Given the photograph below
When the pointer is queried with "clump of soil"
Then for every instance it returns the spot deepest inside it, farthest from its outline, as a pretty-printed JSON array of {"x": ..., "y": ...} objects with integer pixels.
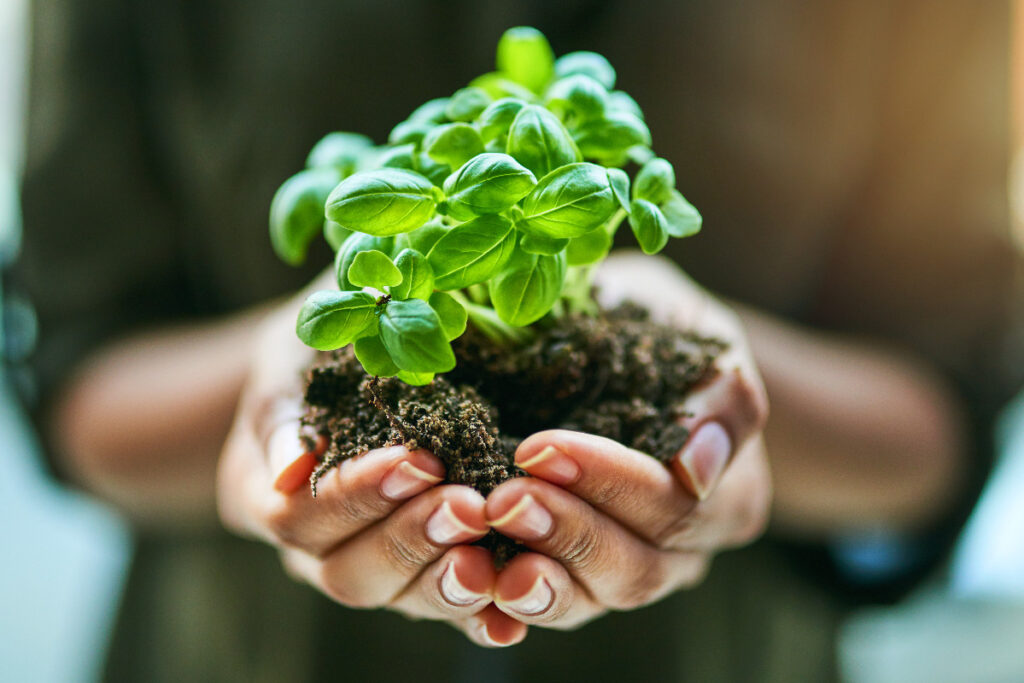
[{"x": 617, "y": 375}]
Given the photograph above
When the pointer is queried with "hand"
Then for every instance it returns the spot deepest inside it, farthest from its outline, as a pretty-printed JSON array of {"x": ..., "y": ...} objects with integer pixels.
[
  {"x": 612, "y": 528},
  {"x": 380, "y": 532}
]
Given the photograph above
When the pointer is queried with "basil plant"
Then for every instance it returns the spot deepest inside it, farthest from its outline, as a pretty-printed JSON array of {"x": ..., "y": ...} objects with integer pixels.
[{"x": 492, "y": 205}]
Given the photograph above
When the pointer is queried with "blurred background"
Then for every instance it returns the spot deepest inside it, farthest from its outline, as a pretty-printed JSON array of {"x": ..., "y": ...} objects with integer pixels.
[{"x": 59, "y": 598}]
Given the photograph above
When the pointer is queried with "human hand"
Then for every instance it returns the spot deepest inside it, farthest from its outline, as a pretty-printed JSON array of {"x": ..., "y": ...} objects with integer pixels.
[
  {"x": 380, "y": 533},
  {"x": 613, "y": 529}
]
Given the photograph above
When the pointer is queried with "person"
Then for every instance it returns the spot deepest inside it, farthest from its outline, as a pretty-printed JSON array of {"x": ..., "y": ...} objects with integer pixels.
[{"x": 849, "y": 160}]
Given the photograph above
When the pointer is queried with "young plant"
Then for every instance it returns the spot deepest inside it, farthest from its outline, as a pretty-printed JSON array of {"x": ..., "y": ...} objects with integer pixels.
[{"x": 491, "y": 206}]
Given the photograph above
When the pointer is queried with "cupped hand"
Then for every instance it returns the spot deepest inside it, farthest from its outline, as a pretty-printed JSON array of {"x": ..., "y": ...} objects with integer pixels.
[
  {"x": 381, "y": 533},
  {"x": 611, "y": 528}
]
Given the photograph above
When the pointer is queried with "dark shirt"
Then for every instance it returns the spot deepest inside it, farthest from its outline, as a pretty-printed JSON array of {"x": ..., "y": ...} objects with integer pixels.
[{"x": 849, "y": 159}]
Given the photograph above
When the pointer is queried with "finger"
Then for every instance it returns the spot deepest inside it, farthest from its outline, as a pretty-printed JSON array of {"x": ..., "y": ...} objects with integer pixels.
[
  {"x": 738, "y": 511},
  {"x": 618, "y": 569},
  {"x": 456, "y": 586},
  {"x": 493, "y": 628},
  {"x": 357, "y": 493},
  {"x": 535, "y": 589},
  {"x": 632, "y": 487},
  {"x": 373, "y": 567}
]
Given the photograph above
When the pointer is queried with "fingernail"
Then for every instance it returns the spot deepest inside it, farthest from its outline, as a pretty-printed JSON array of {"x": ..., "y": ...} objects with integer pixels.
[
  {"x": 527, "y": 519},
  {"x": 481, "y": 628},
  {"x": 444, "y": 527},
  {"x": 296, "y": 474},
  {"x": 454, "y": 592},
  {"x": 705, "y": 457},
  {"x": 536, "y": 600},
  {"x": 406, "y": 480},
  {"x": 553, "y": 465}
]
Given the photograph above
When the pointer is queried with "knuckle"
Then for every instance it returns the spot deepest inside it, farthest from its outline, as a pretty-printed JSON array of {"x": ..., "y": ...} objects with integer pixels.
[
  {"x": 344, "y": 592},
  {"x": 677, "y": 532},
  {"x": 642, "y": 589},
  {"x": 282, "y": 521},
  {"x": 609, "y": 492},
  {"x": 405, "y": 553},
  {"x": 580, "y": 550}
]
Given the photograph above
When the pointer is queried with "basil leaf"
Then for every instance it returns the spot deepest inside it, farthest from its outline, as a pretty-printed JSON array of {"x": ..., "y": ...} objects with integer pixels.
[
  {"x": 382, "y": 202},
  {"x": 471, "y": 252},
  {"x": 539, "y": 141},
  {"x": 409, "y": 131},
  {"x": 681, "y": 217},
  {"x": 423, "y": 239},
  {"x": 431, "y": 111},
  {"x": 399, "y": 156},
  {"x": 498, "y": 85},
  {"x": 451, "y": 313},
  {"x": 335, "y": 234},
  {"x": 619, "y": 182},
  {"x": 578, "y": 97},
  {"x": 649, "y": 226},
  {"x": 374, "y": 358},
  {"x": 655, "y": 181},
  {"x": 589, "y": 64},
  {"x": 539, "y": 244},
  {"x": 343, "y": 151},
  {"x": 488, "y": 183},
  {"x": 329, "y": 320},
  {"x": 527, "y": 288},
  {"x": 373, "y": 269},
  {"x": 413, "y": 336},
  {"x": 416, "y": 379},
  {"x": 357, "y": 243},
  {"x": 569, "y": 202},
  {"x": 467, "y": 103},
  {"x": 610, "y": 138},
  {"x": 526, "y": 57},
  {"x": 589, "y": 248},
  {"x": 434, "y": 171},
  {"x": 453, "y": 144},
  {"x": 417, "y": 276},
  {"x": 297, "y": 212},
  {"x": 620, "y": 101},
  {"x": 495, "y": 121}
]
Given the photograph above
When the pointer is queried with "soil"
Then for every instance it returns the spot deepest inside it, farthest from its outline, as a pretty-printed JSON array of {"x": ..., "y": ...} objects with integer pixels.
[{"x": 617, "y": 375}]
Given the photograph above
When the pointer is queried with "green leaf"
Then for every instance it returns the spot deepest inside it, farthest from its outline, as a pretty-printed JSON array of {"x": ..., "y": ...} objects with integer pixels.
[
  {"x": 374, "y": 358},
  {"x": 486, "y": 184},
  {"x": 569, "y": 202},
  {"x": 343, "y": 151},
  {"x": 409, "y": 131},
  {"x": 681, "y": 217},
  {"x": 335, "y": 234},
  {"x": 412, "y": 334},
  {"x": 655, "y": 182},
  {"x": 453, "y": 144},
  {"x": 526, "y": 57},
  {"x": 434, "y": 171},
  {"x": 329, "y": 320},
  {"x": 578, "y": 97},
  {"x": 431, "y": 111},
  {"x": 467, "y": 103},
  {"x": 495, "y": 121},
  {"x": 620, "y": 101},
  {"x": 589, "y": 64},
  {"x": 619, "y": 181},
  {"x": 417, "y": 276},
  {"x": 498, "y": 85},
  {"x": 399, "y": 156},
  {"x": 649, "y": 226},
  {"x": 416, "y": 379},
  {"x": 382, "y": 202},
  {"x": 297, "y": 212},
  {"x": 610, "y": 138},
  {"x": 528, "y": 287},
  {"x": 373, "y": 269},
  {"x": 423, "y": 239},
  {"x": 451, "y": 313},
  {"x": 471, "y": 252},
  {"x": 357, "y": 243},
  {"x": 539, "y": 244},
  {"x": 589, "y": 248},
  {"x": 539, "y": 141}
]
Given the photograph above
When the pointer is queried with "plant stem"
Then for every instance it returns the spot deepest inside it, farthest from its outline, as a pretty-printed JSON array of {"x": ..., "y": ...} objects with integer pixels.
[{"x": 487, "y": 321}]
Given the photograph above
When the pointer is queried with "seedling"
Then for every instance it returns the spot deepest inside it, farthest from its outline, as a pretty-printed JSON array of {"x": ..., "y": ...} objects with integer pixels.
[{"x": 493, "y": 205}]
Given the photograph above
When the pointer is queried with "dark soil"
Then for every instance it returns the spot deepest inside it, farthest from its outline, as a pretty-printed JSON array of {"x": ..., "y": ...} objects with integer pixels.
[{"x": 618, "y": 375}]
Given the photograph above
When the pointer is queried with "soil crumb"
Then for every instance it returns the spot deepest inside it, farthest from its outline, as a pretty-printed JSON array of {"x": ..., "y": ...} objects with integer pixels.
[{"x": 617, "y": 375}]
